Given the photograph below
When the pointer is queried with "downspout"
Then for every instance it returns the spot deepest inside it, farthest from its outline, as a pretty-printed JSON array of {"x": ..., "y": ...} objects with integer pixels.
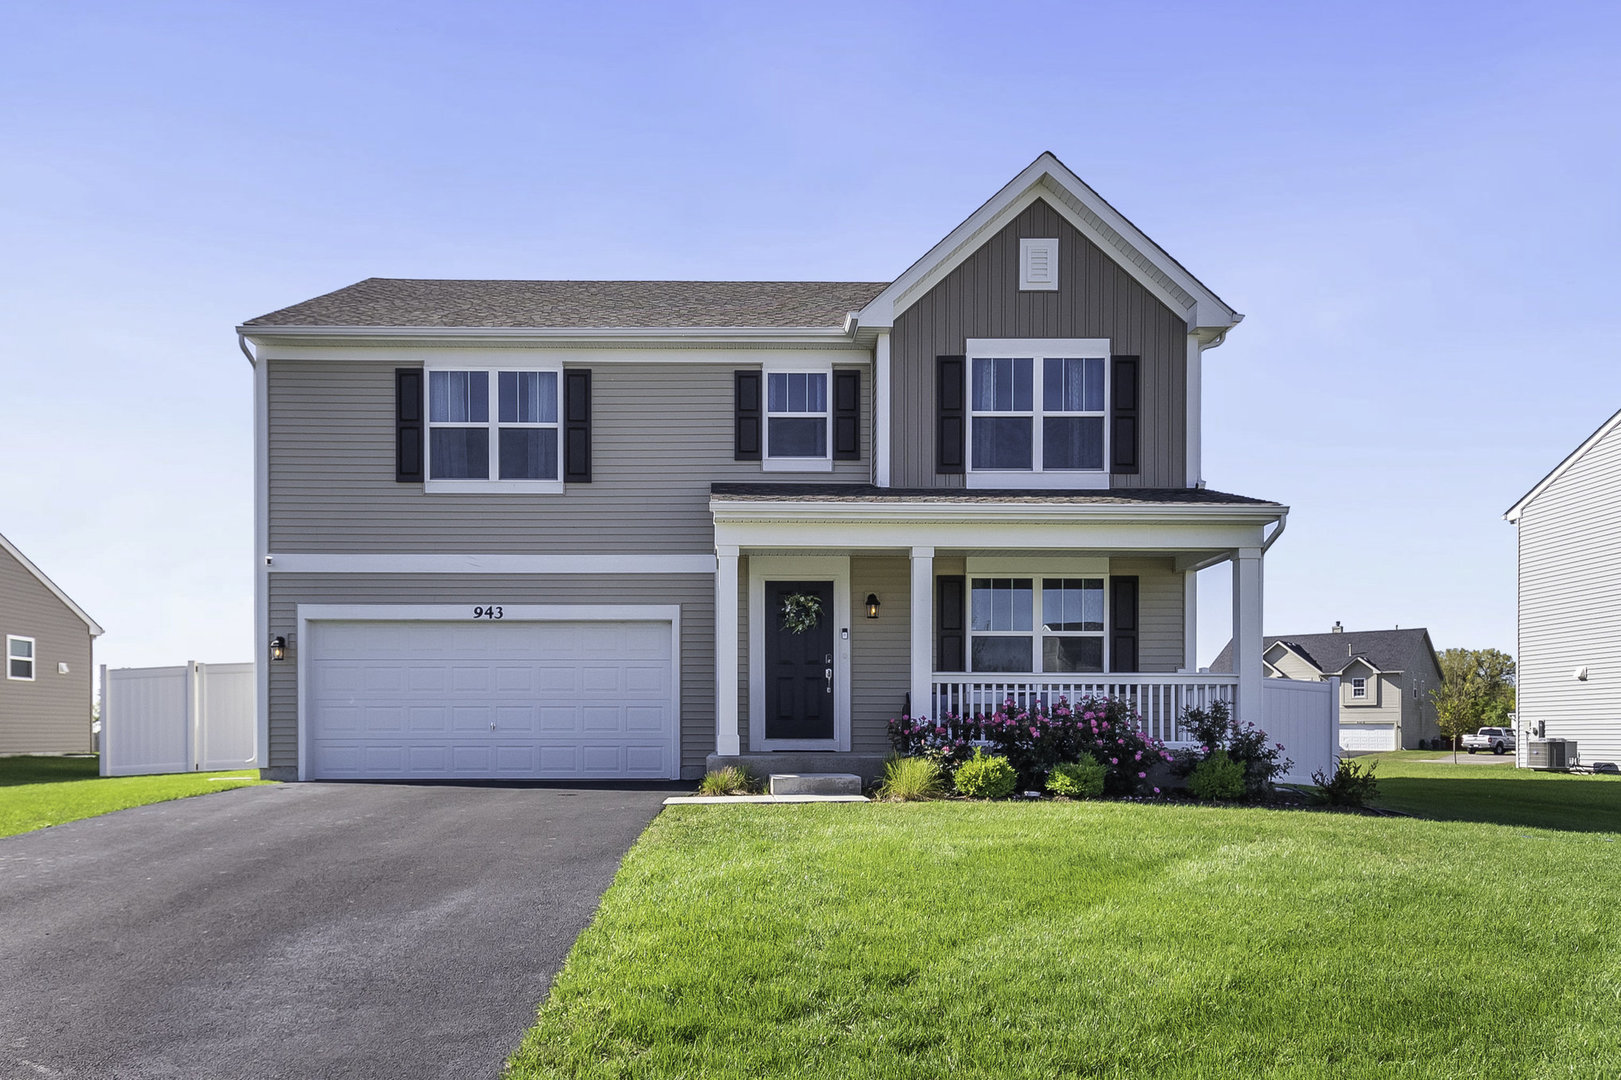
[
  {"x": 242, "y": 343},
  {"x": 1273, "y": 539}
]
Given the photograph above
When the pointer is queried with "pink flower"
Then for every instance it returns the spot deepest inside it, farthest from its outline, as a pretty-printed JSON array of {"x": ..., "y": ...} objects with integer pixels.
[
  {"x": 1142, "y": 776},
  {"x": 1114, "y": 761},
  {"x": 1156, "y": 791}
]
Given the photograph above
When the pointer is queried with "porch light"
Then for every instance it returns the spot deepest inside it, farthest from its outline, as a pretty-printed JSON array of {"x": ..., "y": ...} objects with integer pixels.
[
  {"x": 872, "y": 605},
  {"x": 278, "y": 649}
]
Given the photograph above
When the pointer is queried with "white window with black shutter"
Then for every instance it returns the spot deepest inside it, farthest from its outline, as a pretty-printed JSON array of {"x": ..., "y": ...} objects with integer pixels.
[
  {"x": 1030, "y": 616},
  {"x": 797, "y": 417},
  {"x": 500, "y": 429},
  {"x": 1038, "y": 412}
]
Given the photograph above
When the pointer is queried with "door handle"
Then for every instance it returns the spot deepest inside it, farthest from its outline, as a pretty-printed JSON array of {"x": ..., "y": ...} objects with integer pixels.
[{"x": 827, "y": 673}]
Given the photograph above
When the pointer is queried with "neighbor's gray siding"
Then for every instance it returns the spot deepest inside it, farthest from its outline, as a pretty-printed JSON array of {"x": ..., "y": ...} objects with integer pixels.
[
  {"x": 50, "y": 715},
  {"x": 695, "y": 593},
  {"x": 1095, "y": 298},
  {"x": 661, "y": 432},
  {"x": 1570, "y": 604}
]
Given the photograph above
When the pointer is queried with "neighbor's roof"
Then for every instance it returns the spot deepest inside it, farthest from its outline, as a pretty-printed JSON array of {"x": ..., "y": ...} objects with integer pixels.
[
  {"x": 1387, "y": 650},
  {"x": 11, "y": 549},
  {"x": 1513, "y": 513},
  {"x": 870, "y": 493},
  {"x": 429, "y": 302}
]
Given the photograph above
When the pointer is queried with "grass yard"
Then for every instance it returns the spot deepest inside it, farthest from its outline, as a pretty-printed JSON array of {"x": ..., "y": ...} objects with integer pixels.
[
  {"x": 40, "y": 791},
  {"x": 959, "y": 940},
  {"x": 1411, "y": 781}
]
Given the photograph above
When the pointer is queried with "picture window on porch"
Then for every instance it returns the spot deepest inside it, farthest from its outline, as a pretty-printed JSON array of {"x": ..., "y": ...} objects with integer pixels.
[
  {"x": 1003, "y": 636},
  {"x": 1057, "y": 427}
]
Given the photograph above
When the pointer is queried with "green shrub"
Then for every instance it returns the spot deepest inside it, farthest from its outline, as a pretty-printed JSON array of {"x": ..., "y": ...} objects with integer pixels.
[
  {"x": 1349, "y": 785},
  {"x": 908, "y": 779},
  {"x": 728, "y": 781},
  {"x": 982, "y": 777},
  {"x": 1081, "y": 779},
  {"x": 1217, "y": 778}
]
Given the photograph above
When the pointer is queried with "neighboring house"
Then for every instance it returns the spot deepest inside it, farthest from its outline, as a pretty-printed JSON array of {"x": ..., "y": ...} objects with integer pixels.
[
  {"x": 494, "y": 518},
  {"x": 45, "y": 697},
  {"x": 1569, "y": 651},
  {"x": 1385, "y": 681}
]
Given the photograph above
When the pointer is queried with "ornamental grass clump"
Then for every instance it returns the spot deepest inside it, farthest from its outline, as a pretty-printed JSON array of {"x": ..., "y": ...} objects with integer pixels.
[
  {"x": 1081, "y": 779},
  {"x": 1218, "y": 778},
  {"x": 911, "y": 779},
  {"x": 982, "y": 777},
  {"x": 1035, "y": 738},
  {"x": 730, "y": 780}
]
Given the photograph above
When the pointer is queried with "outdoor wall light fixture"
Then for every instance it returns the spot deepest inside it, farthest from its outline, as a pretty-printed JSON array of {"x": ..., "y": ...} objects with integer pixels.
[
  {"x": 278, "y": 649},
  {"x": 872, "y": 605}
]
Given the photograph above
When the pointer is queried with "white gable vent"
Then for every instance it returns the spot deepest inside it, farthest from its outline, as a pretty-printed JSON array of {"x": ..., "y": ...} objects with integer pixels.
[{"x": 1038, "y": 264}]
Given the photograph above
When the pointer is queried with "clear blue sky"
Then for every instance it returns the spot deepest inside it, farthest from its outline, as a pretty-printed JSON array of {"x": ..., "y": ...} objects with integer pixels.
[{"x": 1416, "y": 206}]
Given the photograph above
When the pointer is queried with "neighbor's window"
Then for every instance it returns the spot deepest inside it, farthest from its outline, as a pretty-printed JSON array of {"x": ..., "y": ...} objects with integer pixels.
[
  {"x": 1359, "y": 688},
  {"x": 19, "y": 658},
  {"x": 1002, "y": 631},
  {"x": 492, "y": 425},
  {"x": 1038, "y": 413},
  {"x": 797, "y": 416}
]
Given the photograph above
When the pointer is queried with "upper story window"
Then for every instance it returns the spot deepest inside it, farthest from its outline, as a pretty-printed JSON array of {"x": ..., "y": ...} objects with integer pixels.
[
  {"x": 1359, "y": 687},
  {"x": 1038, "y": 413},
  {"x": 798, "y": 421},
  {"x": 20, "y": 658},
  {"x": 493, "y": 430},
  {"x": 1004, "y": 635}
]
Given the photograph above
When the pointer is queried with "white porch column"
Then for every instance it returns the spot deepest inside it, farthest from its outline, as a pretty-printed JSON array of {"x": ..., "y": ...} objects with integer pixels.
[
  {"x": 1190, "y": 621},
  {"x": 726, "y": 657},
  {"x": 1247, "y": 631},
  {"x": 922, "y": 685}
]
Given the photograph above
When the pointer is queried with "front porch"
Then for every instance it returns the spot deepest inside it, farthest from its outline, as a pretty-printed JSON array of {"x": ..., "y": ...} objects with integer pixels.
[{"x": 1028, "y": 597}]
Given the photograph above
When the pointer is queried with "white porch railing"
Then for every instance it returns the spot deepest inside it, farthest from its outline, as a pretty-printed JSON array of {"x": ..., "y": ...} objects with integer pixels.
[{"x": 1158, "y": 699}]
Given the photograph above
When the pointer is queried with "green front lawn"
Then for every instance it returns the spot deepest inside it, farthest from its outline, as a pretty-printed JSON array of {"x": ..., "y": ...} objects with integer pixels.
[
  {"x": 40, "y": 791},
  {"x": 1412, "y": 782},
  {"x": 963, "y": 940}
]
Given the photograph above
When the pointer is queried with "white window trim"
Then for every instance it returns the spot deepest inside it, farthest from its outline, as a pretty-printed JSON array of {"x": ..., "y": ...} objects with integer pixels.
[
  {"x": 1080, "y": 568},
  {"x": 1359, "y": 693},
  {"x": 445, "y": 486},
  {"x": 794, "y": 464},
  {"x": 1026, "y": 247},
  {"x": 1038, "y": 350},
  {"x": 32, "y": 658}
]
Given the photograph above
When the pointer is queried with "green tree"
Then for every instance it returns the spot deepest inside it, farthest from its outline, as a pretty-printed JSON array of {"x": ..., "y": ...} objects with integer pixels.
[{"x": 1477, "y": 690}]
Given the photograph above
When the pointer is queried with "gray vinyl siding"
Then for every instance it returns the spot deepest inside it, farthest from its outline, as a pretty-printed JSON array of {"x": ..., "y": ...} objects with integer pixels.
[
  {"x": 1570, "y": 604},
  {"x": 695, "y": 593},
  {"x": 661, "y": 433},
  {"x": 1159, "y": 612},
  {"x": 51, "y": 714},
  {"x": 1095, "y": 298},
  {"x": 1295, "y": 668},
  {"x": 880, "y": 649}
]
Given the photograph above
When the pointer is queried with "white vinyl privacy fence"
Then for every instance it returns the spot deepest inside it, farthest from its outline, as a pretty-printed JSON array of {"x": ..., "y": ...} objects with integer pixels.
[
  {"x": 1305, "y": 718},
  {"x": 193, "y": 718}
]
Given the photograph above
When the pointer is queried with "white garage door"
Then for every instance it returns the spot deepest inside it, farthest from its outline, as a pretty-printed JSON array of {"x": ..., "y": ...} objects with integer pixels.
[
  {"x": 512, "y": 699},
  {"x": 1368, "y": 737}
]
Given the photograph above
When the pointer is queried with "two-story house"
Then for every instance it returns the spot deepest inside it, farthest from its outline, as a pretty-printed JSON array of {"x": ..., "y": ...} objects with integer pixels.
[
  {"x": 1386, "y": 677},
  {"x": 628, "y": 528},
  {"x": 45, "y": 694}
]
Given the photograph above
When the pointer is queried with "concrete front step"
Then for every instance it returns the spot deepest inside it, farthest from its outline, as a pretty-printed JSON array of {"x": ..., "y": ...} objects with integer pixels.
[
  {"x": 815, "y": 784},
  {"x": 867, "y": 766}
]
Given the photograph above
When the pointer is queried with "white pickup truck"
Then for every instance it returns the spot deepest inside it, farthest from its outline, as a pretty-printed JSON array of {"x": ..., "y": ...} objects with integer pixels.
[{"x": 1496, "y": 739}]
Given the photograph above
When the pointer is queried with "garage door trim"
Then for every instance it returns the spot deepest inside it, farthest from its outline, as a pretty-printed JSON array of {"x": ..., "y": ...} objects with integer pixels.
[{"x": 308, "y": 613}]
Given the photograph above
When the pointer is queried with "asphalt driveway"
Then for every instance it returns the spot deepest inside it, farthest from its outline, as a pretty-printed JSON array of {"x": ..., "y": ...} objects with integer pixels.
[{"x": 300, "y": 930}]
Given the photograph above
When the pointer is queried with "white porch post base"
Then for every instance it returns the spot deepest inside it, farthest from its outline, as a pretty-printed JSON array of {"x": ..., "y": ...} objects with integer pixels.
[
  {"x": 726, "y": 654},
  {"x": 922, "y": 683},
  {"x": 1247, "y": 632}
]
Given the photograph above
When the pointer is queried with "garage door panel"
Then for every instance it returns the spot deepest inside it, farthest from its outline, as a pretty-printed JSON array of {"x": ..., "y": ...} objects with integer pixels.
[
  {"x": 1368, "y": 737},
  {"x": 418, "y": 700}
]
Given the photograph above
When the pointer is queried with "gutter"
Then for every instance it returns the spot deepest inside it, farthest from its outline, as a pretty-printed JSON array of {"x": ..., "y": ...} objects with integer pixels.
[
  {"x": 1283, "y": 523},
  {"x": 242, "y": 343}
]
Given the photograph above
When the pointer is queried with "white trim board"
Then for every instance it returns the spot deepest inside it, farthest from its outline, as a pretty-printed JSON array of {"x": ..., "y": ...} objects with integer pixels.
[
  {"x": 308, "y": 613},
  {"x": 309, "y": 563},
  {"x": 834, "y": 568},
  {"x": 1513, "y": 513},
  {"x": 39, "y": 575}
]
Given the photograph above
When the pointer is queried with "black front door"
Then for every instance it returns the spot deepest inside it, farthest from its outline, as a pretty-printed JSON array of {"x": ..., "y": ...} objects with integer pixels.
[{"x": 798, "y": 666}]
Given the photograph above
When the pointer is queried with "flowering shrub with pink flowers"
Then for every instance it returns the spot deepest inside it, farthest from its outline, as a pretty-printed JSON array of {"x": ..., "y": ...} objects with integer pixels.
[
  {"x": 1037, "y": 737},
  {"x": 1260, "y": 760}
]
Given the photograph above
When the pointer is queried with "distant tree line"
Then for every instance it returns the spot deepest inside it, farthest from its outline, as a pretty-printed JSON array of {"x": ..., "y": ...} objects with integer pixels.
[{"x": 1476, "y": 691}]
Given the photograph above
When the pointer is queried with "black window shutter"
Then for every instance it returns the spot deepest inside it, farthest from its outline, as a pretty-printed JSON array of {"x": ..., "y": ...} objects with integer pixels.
[
  {"x": 577, "y": 426},
  {"x": 847, "y": 415},
  {"x": 746, "y": 415},
  {"x": 949, "y": 645},
  {"x": 950, "y": 440},
  {"x": 1125, "y": 439},
  {"x": 1123, "y": 614},
  {"x": 408, "y": 425}
]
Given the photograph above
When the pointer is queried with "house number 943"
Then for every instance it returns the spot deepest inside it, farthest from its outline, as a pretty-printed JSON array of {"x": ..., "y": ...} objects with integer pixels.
[{"x": 493, "y": 612}]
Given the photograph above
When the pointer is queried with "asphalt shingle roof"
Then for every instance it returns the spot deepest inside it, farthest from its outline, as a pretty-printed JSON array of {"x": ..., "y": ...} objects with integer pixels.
[
  {"x": 424, "y": 302},
  {"x": 872, "y": 493},
  {"x": 1387, "y": 650}
]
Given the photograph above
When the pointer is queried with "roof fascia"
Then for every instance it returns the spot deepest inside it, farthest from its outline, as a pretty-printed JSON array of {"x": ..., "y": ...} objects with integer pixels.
[
  {"x": 1513, "y": 514},
  {"x": 27, "y": 564},
  {"x": 724, "y": 509},
  {"x": 1092, "y": 216},
  {"x": 509, "y": 336}
]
